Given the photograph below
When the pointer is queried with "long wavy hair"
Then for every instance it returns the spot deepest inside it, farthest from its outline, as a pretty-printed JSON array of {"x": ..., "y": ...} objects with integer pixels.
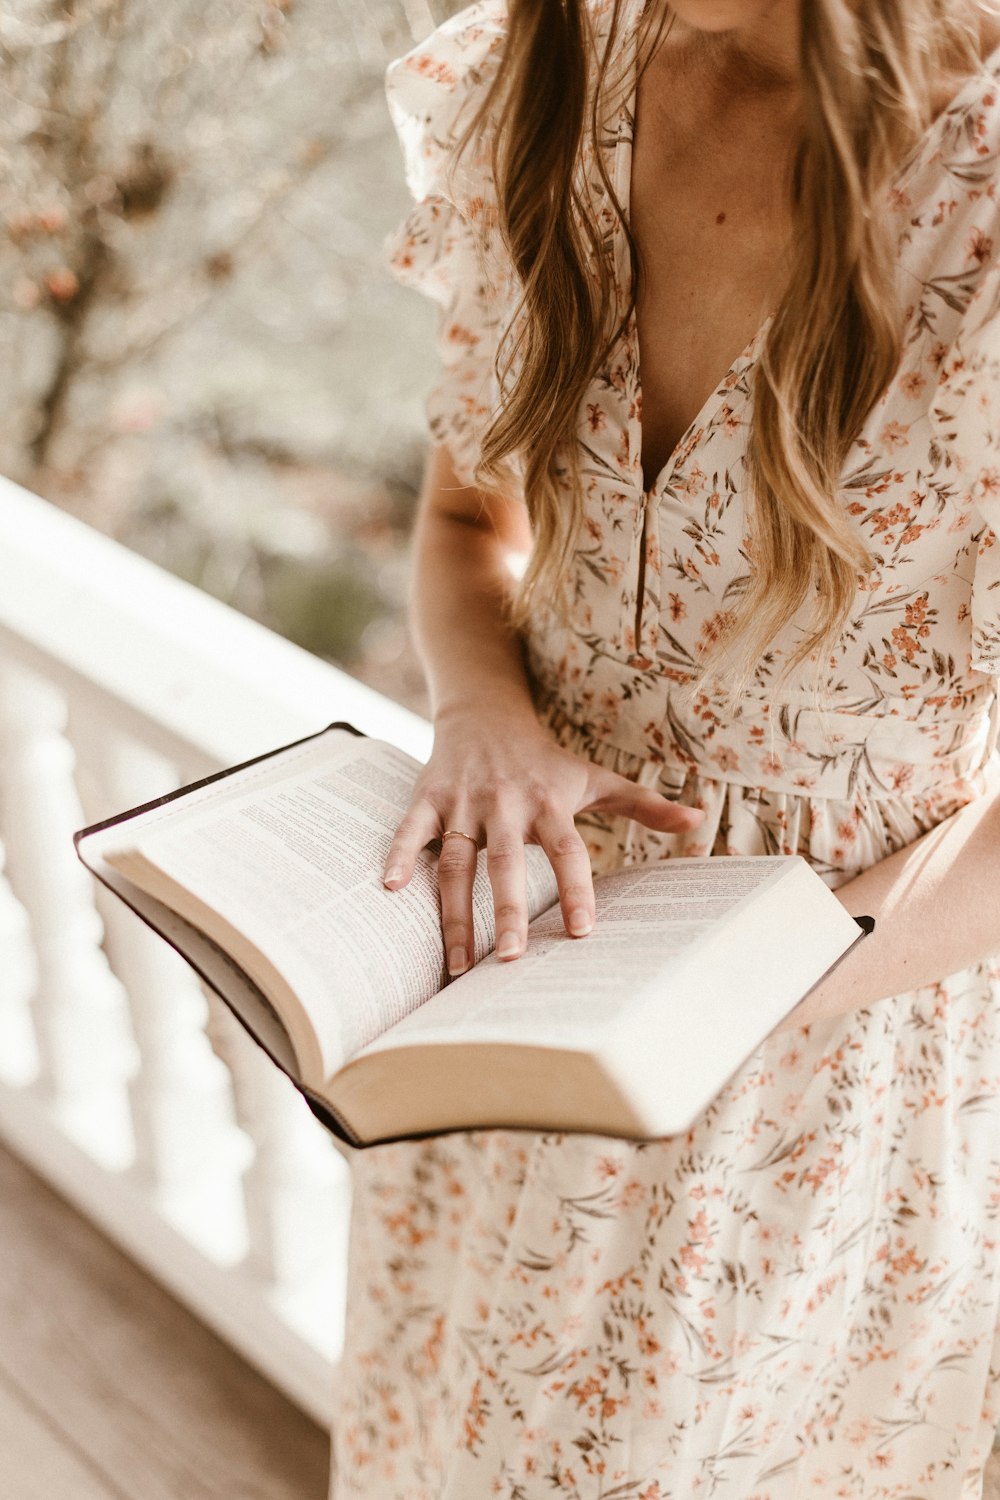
[{"x": 869, "y": 73}]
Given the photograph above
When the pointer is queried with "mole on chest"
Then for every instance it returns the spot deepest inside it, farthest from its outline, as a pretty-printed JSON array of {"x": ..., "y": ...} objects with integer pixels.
[
  {"x": 710, "y": 211},
  {"x": 709, "y": 277}
]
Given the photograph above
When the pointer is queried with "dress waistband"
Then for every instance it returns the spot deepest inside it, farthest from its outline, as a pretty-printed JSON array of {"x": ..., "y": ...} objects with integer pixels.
[{"x": 819, "y": 752}]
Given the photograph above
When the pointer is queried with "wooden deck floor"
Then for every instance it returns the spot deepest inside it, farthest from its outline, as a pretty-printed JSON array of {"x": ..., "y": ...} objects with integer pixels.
[{"x": 109, "y": 1390}]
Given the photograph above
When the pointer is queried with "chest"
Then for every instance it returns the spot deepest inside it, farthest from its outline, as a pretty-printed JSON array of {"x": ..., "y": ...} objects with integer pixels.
[{"x": 709, "y": 211}]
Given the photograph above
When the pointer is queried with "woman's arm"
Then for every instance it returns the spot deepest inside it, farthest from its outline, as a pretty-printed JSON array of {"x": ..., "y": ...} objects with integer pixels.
[
  {"x": 495, "y": 773},
  {"x": 463, "y": 544},
  {"x": 936, "y": 906}
]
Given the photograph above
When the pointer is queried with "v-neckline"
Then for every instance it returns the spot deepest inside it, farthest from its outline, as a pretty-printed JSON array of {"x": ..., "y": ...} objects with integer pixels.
[
  {"x": 622, "y": 177},
  {"x": 703, "y": 417}
]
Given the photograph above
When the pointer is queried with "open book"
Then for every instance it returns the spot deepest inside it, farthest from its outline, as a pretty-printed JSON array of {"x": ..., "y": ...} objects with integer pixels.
[{"x": 267, "y": 879}]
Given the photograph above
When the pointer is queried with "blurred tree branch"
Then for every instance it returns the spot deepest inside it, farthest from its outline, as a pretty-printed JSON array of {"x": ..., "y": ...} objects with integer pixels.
[{"x": 192, "y": 202}]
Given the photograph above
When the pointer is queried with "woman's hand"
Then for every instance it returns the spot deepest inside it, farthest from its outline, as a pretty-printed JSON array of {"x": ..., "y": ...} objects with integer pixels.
[
  {"x": 505, "y": 782},
  {"x": 495, "y": 773}
]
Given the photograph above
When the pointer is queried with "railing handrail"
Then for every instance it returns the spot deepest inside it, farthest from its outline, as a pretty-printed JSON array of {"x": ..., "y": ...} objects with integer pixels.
[{"x": 210, "y": 685}]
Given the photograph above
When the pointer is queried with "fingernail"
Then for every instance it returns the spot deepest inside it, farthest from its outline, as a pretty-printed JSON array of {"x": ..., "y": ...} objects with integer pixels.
[
  {"x": 391, "y": 877},
  {"x": 509, "y": 945},
  {"x": 580, "y": 922},
  {"x": 458, "y": 960}
]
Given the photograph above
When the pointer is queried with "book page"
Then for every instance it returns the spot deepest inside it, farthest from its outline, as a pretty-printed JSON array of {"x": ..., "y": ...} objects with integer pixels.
[
  {"x": 565, "y": 991},
  {"x": 291, "y": 853}
]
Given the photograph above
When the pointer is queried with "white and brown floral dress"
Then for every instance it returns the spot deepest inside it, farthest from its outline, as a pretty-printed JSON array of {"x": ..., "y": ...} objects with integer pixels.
[{"x": 799, "y": 1298}]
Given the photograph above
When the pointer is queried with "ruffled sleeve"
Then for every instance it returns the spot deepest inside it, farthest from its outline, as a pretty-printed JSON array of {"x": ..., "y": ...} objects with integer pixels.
[
  {"x": 966, "y": 416},
  {"x": 447, "y": 247}
]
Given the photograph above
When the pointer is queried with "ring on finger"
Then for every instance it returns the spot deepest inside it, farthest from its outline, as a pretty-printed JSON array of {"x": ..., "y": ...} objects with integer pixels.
[{"x": 458, "y": 833}]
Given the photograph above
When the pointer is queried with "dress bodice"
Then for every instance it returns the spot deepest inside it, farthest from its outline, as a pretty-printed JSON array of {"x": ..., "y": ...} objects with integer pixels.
[{"x": 907, "y": 696}]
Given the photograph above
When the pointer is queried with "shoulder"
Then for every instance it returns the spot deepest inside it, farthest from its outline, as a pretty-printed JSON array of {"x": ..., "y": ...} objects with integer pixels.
[
  {"x": 968, "y": 131},
  {"x": 946, "y": 208},
  {"x": 967, "y": 216},
  {"x": 436, "y": 90}
]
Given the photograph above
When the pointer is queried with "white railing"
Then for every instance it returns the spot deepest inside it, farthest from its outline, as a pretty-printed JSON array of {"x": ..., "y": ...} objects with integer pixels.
[{"x": 121, "y": 1082}]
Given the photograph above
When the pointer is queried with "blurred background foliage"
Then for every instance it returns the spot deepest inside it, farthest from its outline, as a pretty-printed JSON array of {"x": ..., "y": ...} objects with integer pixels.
[{"x": 204, "y": 355}]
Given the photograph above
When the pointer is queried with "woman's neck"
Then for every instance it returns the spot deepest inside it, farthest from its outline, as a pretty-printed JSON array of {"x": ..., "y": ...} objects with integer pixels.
[{"x": 759, "y": 54}]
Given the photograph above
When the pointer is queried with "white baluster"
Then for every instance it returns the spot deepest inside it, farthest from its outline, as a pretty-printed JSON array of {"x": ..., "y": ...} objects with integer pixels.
[
  {"x": 78, "y": 1008},
  {"x": 187, "y": 1147},
  {"x": 296, "y": 1187},
  {"x": 18, "y": 980}
]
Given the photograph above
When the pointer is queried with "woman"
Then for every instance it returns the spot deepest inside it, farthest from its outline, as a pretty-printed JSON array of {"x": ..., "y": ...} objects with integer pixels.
[{"x": 762, "y": 614}]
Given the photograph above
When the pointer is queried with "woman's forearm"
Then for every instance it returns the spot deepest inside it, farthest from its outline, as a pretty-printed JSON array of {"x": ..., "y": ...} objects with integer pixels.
[
  {"x": 462, "y": 583},
  {"x": 936, "y": 906}
]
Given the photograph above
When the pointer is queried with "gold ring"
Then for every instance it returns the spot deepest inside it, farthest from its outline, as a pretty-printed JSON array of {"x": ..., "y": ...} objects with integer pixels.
[{"x": 458, "y": 834}]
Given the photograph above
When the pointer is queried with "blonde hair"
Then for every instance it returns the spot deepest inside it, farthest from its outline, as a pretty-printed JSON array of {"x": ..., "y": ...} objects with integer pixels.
[{"x": 833, "y": 343}]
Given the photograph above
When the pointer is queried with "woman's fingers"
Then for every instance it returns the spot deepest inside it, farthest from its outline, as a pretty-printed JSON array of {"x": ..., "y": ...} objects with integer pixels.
[
  {"x": 508, "y": 827},
  {"x": 421, "y": 823},
  {"x": 567, "y": 854},
  {"x": 619, "y": 795},
  {"x": 456, "y": 873},
  {"x": 505, "y": 866}
]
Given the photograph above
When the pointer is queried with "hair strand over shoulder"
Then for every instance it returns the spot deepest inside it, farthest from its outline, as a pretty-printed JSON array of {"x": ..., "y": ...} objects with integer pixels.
[{"x": 833, "y": 341}]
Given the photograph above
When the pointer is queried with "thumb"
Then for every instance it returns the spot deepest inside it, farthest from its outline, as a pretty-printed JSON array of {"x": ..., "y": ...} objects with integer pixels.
[{"x": 619, "y": 795}]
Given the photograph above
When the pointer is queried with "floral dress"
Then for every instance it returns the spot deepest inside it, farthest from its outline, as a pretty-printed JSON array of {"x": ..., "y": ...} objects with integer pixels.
[{"x": 800, "y": 1296}]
